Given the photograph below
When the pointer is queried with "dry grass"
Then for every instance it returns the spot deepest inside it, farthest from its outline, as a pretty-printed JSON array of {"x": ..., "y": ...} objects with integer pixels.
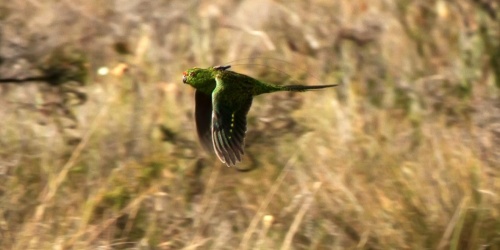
[{"x": 402, "y": 156}]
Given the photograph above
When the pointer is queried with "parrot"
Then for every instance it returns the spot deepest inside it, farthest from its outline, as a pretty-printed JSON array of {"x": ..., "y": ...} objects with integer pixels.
[{"x": 222, "y": 100}]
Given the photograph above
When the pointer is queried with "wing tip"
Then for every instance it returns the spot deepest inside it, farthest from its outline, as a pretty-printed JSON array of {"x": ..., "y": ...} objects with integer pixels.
[{"x": 228, "y": 157}]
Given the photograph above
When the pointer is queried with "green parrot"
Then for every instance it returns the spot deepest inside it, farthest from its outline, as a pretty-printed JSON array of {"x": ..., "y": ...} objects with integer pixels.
[{"x": 222, "y": 101}]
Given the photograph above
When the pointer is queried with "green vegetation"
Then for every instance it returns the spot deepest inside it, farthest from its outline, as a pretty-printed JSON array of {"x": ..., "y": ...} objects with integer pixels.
[{"x": 403, "y": 155}]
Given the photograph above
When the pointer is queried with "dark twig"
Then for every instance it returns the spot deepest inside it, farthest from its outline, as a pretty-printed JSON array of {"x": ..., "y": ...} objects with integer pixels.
[{"x": 24, "y": 80}]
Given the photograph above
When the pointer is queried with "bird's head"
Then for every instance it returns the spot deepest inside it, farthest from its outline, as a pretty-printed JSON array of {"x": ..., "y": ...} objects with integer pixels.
[{"x": 200, "y": 79}]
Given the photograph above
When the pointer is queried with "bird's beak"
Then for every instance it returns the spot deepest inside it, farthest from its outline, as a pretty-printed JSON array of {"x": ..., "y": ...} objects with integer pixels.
[{"x": 184, "y": 77}]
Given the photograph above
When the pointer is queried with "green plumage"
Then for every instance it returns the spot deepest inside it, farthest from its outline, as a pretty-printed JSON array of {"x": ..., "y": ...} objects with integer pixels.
[{"x": 223, "y": 99}]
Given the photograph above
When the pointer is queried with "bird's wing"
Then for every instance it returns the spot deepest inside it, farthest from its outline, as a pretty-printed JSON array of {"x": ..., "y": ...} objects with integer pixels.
[
  {"x": 229, "y": 125},
  {"x": 203, "y": 116}
]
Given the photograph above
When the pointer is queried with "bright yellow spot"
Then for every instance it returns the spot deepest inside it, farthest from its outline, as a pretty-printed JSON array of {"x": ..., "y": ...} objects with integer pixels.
[
  {"x": 103, "y": 71},
  {"x": 268, "y": 220}
]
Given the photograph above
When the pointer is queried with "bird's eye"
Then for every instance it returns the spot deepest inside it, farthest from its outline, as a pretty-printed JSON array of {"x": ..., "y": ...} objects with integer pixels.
[{"x": 192, "y": 74}]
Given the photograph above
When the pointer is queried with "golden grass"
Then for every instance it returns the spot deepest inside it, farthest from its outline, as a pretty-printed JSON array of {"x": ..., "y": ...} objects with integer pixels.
[{"x": 401, "y": 156}]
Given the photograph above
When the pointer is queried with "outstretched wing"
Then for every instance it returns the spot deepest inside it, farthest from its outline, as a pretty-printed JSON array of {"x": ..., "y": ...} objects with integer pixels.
[
  {"x": 229, "y": 125},
  {"x": 203, "y": 116}
]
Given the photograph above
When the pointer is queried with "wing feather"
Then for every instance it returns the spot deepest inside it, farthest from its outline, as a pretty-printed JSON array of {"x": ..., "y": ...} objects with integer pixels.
[
  {"x": 203, "y": 117},
  {"x": 229, "y": 125}
]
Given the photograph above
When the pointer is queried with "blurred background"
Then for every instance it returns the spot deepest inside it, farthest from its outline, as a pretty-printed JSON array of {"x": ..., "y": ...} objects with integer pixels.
[{"x": 98, "y": 148}]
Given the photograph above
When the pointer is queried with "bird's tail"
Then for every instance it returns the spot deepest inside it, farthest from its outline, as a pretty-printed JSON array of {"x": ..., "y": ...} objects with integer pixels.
[{"x": 302, "y": 88}]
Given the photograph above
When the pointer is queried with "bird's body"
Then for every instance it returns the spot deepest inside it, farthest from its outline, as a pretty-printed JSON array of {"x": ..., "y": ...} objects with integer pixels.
[{"x": 223, "y": 99}]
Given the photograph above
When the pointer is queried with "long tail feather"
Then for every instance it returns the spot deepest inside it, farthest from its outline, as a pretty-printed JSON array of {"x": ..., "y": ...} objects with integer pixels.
[{"x": 302, "y": 88}]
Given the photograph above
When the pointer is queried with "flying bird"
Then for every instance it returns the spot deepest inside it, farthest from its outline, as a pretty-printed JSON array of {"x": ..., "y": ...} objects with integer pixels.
[{"x": 222, "y": 101}]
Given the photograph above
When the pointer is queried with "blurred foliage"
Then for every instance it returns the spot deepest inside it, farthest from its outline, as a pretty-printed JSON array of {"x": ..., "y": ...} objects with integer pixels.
[{"x": 98, "y": 146}]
